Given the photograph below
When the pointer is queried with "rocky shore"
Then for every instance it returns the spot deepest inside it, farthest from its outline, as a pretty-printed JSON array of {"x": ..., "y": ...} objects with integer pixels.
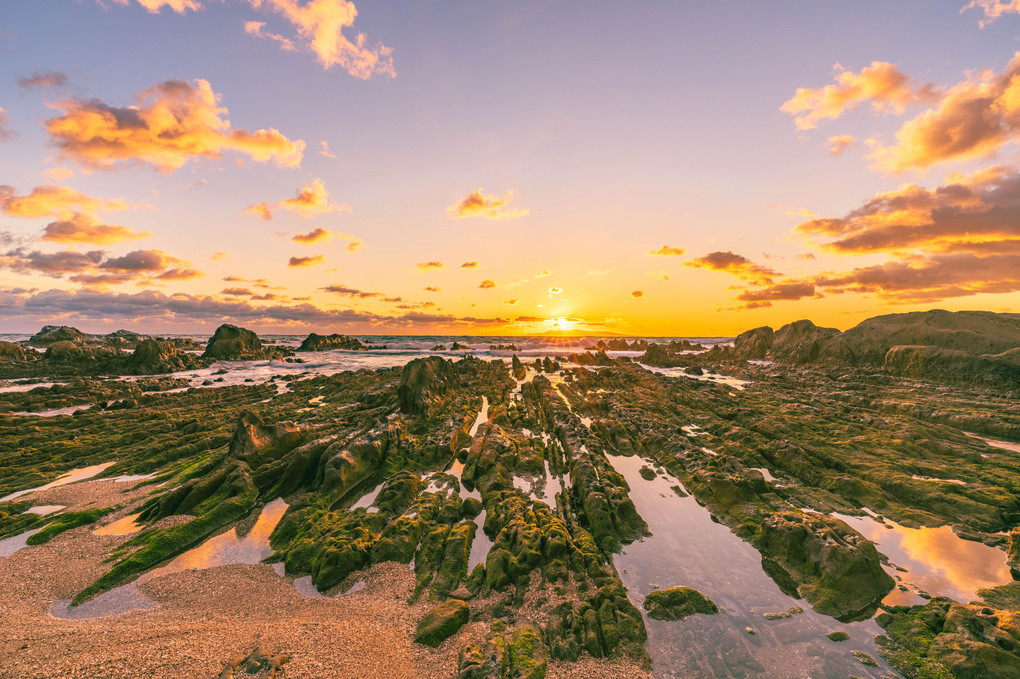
[{"x": 483, "y": 506}]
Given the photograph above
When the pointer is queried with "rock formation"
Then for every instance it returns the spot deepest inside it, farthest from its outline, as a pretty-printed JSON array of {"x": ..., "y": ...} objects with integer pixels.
[
  {"x": 315, "y": 342},
  {"x": 231, "y": 343}
]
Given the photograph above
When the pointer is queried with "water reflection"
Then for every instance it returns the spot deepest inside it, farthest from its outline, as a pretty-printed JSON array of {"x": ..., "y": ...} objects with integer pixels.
[
  {"x": 733, "y": 382},
  {"x": 70, "y": 477},
  {"x": 219, "y": 550},
  {"x": 688, "y": 547},
  {"x": 483, "y": 417},
  {"x": 12, "y": 544},
  {"x": 228, "y": 548},
  {"x": 481, "y": 544},
  {"x": 117, "y": 601},
  {"x": 122, "y": 526},
  {"x": 997, "y": 443},
  {"x": 936, "y": 559},
  {"x": 43, "y": 510},
  {"x": 55, "y": 412},
  {"x": 368, "y": 498}
]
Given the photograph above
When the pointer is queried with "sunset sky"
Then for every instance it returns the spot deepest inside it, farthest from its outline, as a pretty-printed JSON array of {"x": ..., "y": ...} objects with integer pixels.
[{"x": 650, "y": 168}]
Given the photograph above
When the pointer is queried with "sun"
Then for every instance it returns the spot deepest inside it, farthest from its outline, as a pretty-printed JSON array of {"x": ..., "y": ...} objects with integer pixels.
[{"x": 562, "y": 323}]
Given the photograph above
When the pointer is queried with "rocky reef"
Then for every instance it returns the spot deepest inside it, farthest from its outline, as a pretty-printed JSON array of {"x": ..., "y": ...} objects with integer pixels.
[
  {"x": 946, "y": 638},
  {"x": 315, "y": 342},
  {"x": 231, "y": 343},
  {"x": 962, "y": 346},
  {"x": 498, "y": 484}
]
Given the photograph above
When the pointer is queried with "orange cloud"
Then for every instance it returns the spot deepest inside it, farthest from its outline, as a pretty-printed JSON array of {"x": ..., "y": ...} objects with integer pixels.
[
  {"x": 325, "y": 150},
  {"x": 254, "y": 28},
  {"x": 262, "y": 210},
  {"x": 141, "y": 260},
  {"x": 85, "y": 228},
  {"x": 881, "y": 84},
  {"x": 478, "y": 204},
  {"x": 427, "y": 266},
  {"x": 974, "y": 120},
  {"x": 965, "y": 213},
  {"x": 515, "y": 300},
  {"x": 59, "y": 173},
  {"x": 6, "y": 133},
  {"x": 169, "y": 124},
  {"x": 637, "y": 293},
  {"x": 179, "y": 274},
  {"x": 959, "y": 239},
  {"x": 931, "y": 278},
  {"x": 543, "y": 273},
  {"x": 839, "y": 144},
  {"x": 432, "y": 289},
  {"x": 756, "y": 299},
  {"x": 350, "y": 292},
  {"x": 96, "y": 268},
  {"x": 311, "y": 200},
  {"x": 993, "y": 9},
  {"x": 486, "y": 284},
  {"x": 217, "y": 256},
  {"x": 307, "y": 261},
  {"x": 735, "y": 264},
  {"x": 320, "y": 235},
  {"x": 320, "y": 26},
  {"x": 469, "y": 265},
  {"x": 179, "y": 6},
  {"x": 668, "y": 251},
  {"x": 53, "y": 201}
]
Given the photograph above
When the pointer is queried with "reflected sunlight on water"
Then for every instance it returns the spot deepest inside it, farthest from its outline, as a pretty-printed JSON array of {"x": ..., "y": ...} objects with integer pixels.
[
  {"x": 937, "y": 560},
  {"x": 122, "y": 526},
  {"x": 228, "y": 548}
]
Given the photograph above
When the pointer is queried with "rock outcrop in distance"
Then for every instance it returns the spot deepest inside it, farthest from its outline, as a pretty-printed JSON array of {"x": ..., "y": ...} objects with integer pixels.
[
  {"x": 152, "y": 357},
  {"x": 51, "y": 334},
  {"x": 974, "y": 347},
  {"x": 316, "y": 342},
  {"x": 9, "y": 351},
  {"x": 232, "y": 343}
]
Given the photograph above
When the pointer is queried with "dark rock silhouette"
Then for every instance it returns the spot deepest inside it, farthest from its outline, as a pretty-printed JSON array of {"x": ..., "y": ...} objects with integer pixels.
[{"x": 315, "y": 342}]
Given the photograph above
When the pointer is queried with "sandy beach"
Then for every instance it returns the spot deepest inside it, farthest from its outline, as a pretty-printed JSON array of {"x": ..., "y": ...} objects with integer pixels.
[{"x": 206, "y": 618}]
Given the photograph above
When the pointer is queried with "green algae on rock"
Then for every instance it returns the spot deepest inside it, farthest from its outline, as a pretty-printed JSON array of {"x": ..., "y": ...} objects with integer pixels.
[
  {"x": 676, "y": 603},
  {"x": 442, "y": 622},
  {"x": 945, "y": 638},
  {"x": 369, "y": 476},
  {"x": 523, "y": 657},
  {"x": 67, "y": 521}
]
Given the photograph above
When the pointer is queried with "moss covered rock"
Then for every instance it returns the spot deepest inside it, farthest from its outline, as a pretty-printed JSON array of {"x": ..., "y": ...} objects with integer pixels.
[
  {"x": 676, "y": 603},
  {"x": 442, "y": 622}
]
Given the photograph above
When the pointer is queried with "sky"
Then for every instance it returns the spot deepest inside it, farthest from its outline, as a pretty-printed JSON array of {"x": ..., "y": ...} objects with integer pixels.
[{"x": 654, "y": 168}]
